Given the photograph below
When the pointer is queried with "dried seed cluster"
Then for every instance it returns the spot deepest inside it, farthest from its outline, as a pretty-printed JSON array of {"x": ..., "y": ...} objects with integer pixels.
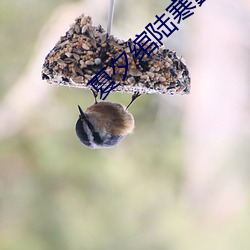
[{"x": 86, "y": 49}]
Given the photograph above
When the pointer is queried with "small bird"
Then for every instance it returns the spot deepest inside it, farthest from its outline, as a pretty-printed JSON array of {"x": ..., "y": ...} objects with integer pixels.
[{"x": 104, "y": 124}]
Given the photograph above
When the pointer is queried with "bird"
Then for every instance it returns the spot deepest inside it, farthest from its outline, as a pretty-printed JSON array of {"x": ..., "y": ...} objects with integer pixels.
[{"x": 104, "y": 124}]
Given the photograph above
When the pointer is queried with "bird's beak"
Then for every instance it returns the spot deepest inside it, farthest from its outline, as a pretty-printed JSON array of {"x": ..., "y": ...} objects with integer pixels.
[{"x": 82, "y": 115}]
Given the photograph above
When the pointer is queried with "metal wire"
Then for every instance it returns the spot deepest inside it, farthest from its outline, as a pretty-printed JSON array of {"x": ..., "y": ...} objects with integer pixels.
[{"x": 110, "y": 16}]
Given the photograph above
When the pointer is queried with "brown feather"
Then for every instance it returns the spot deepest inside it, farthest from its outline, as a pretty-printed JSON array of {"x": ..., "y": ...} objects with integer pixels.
[{"x": 111, "y": 117}]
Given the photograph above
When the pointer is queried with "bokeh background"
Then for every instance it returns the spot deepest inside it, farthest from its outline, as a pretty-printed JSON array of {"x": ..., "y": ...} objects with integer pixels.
[{"x": 180, "y": 182}]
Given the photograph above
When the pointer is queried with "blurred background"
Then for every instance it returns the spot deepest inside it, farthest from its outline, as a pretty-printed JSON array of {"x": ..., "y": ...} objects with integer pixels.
[{"x": 180, "y": 182}]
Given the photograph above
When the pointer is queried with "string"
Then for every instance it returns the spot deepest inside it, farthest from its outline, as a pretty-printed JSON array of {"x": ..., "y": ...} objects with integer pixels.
[{"x": 110, "y": 16}]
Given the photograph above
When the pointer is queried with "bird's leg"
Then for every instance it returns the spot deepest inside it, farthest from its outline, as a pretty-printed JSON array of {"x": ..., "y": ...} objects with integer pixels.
[
  {"x": 95, "y": 94},
  {"x": 134, "y": 97}
]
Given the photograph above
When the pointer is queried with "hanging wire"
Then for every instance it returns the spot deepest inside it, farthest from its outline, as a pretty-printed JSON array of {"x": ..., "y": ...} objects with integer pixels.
[{"x": 110, "y": 16}]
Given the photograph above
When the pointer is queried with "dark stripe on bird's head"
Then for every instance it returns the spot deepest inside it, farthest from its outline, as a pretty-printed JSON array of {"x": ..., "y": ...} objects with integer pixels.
[
  {"x": 97, "y": 138},
  {"x": 96, "y": 135},
  {"x": 81, "y": 133}
]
